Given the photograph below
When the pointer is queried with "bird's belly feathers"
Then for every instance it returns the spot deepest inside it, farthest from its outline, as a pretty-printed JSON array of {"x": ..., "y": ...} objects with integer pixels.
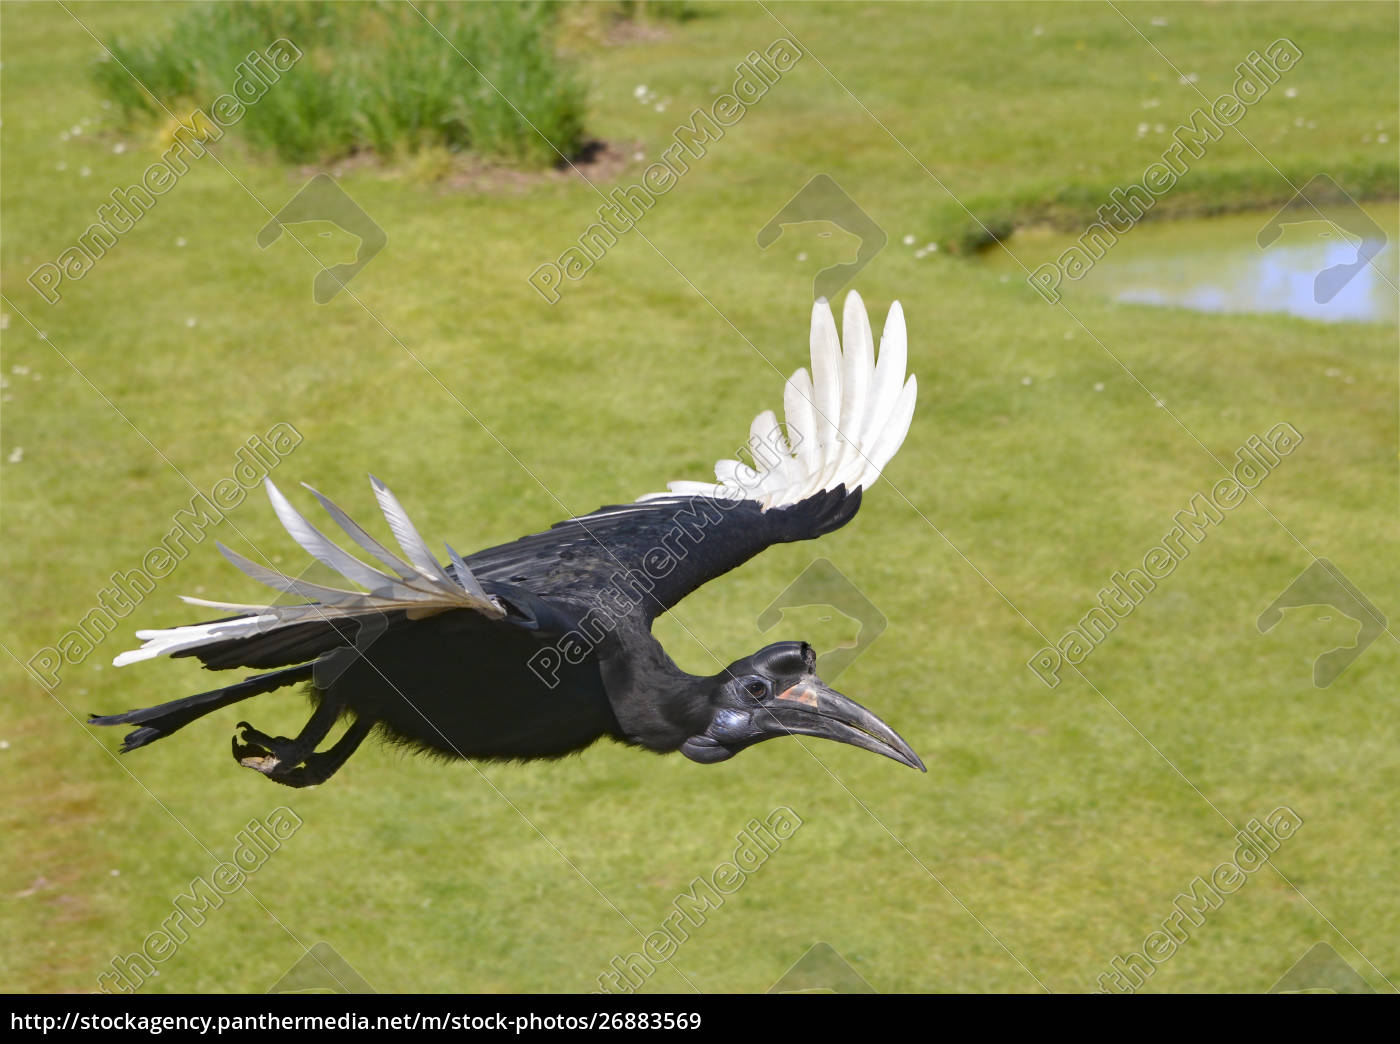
[{"x": 462, "y": 686}]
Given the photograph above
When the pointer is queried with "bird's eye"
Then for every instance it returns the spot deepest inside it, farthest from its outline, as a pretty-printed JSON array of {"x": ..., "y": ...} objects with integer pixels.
[{"x": 756, "y": 688}]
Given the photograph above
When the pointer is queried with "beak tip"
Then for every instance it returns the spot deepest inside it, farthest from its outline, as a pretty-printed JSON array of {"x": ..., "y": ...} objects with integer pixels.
[{"x": 838, "y": 717}]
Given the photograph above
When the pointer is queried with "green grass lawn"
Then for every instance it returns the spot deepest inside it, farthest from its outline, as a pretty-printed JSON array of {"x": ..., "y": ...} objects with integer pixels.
[{"x": 1055, "y": 827}]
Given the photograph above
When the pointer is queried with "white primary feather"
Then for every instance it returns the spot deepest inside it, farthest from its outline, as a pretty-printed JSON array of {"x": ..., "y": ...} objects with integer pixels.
[
  {"x": 845, "y": 420},
  {"x": 419, "y": 587}
]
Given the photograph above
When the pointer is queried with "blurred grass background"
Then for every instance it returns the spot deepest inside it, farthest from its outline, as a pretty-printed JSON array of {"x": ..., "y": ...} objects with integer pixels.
[{"x": 1059, "y": 818}]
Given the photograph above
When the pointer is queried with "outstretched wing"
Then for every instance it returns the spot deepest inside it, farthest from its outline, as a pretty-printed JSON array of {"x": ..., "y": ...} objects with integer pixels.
[
  {"x": 646, "y": 557},
  {"x": 845, "y": 420}
]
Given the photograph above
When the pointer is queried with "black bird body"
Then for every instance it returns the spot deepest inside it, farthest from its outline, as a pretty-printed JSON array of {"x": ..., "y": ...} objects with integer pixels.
[
  {"x": 462, "y": 688},
  {"x": 539, "y": 647}
]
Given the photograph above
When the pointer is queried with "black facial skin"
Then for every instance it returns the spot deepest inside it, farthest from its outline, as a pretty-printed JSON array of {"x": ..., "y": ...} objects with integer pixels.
[{"x": 776, "y": 692}]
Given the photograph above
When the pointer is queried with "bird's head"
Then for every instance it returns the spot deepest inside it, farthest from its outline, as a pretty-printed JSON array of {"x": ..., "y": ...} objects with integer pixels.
[{"x": 776, "y": 692}]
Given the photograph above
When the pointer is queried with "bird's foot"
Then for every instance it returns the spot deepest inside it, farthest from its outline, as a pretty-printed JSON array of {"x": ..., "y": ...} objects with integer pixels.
[
  {"x": 270, "y": 755},
  {"x": 280, "y": 759},
  {"x": 296, "y": 763}
]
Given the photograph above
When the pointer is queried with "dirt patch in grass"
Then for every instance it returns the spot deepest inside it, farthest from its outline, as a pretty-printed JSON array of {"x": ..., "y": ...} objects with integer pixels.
[{"x": 599, "y": 162}]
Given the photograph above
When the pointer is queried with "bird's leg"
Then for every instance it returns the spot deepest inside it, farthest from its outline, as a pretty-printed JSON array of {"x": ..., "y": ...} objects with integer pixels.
[
  {"x": 257, "y": 750},
  {"x": 320, "y": 767}
]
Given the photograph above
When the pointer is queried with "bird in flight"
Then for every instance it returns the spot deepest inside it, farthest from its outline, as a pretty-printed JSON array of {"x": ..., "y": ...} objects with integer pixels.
[{"x": 539, "y": 647}]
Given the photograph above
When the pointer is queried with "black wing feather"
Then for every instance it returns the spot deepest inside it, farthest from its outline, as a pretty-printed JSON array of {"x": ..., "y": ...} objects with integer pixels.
[{"x": 677, "y": 544}]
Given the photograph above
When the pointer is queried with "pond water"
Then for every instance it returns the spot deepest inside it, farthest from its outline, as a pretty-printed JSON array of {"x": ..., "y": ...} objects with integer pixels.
[{"x": 1306, "y": 267}]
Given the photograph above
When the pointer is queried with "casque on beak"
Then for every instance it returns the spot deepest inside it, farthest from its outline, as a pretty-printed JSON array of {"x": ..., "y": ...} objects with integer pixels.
[{"x": 813, "y": 708}]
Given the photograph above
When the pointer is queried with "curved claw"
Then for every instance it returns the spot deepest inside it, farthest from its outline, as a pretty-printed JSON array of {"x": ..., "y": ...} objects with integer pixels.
[{"x": 252, "y": 754}]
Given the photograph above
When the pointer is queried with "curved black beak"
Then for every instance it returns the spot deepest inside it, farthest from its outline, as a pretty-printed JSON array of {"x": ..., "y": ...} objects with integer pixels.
[{"x": 812, "y": 708}]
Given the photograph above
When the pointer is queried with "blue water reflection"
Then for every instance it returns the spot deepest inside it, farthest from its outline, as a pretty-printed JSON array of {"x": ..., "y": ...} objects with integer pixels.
[
  {"x": 1279, "y": 279},
  {"x": 1215, "y": 265}
]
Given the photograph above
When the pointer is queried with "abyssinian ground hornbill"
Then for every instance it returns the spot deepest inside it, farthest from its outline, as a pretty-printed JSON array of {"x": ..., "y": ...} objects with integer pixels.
[{"x": 539, "y": 647}]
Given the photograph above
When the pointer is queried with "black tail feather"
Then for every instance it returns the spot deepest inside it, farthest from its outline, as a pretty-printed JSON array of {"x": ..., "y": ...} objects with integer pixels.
[
  {"x": 159, "y": 722},
  {"x": 294, "y": 643}
]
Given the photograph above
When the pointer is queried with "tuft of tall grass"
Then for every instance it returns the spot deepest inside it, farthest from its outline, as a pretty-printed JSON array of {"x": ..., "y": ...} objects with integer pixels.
[{"x": 479, "y": 77}]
